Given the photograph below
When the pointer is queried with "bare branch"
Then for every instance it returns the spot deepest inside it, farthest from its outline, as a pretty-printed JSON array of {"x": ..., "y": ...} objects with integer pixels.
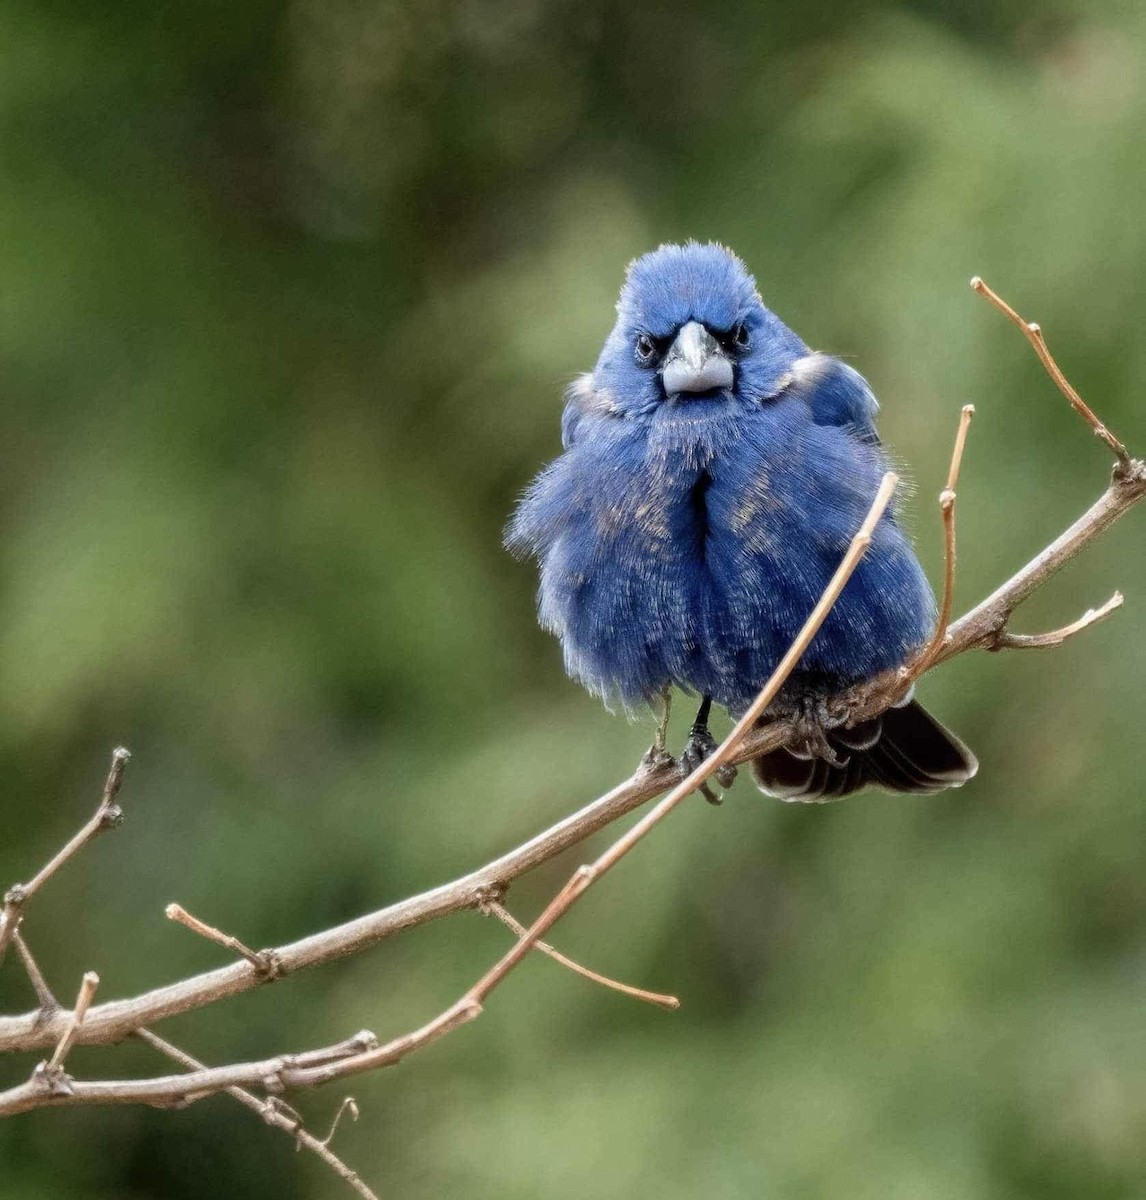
[
  {"x": 111, "y": 1022},
  {"x": 1005, "y": 640},
  {"x": 1034, "y": 334},
  {"x": 107, "y": 815},
  {"x": 270, "y": 1110},
  {"x": 494, "y": 908},
  {"x": 989, "y": 616},
  {"x": 984, "y": 627},
  {"x": 317, "y": 1067},
  {"x": 273, "y": 1075}
]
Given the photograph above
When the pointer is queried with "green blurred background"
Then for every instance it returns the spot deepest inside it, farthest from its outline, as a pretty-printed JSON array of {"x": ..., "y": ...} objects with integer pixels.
[{"x": 288, "y": 296}]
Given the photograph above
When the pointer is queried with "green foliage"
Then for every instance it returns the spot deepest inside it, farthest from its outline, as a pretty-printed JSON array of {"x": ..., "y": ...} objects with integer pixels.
[{"x": 289, "y": 295}]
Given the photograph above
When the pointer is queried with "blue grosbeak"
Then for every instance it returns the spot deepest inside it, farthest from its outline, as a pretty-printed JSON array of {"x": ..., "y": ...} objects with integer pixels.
[{"x": 715, "y": 470}]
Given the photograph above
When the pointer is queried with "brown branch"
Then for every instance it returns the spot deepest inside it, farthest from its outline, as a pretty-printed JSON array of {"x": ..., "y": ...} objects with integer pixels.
[
  {"x": 310, "y": 1070},
  {"x": 272, "y": 1112},
  {"x": 273, "y": 1075},
  {"x": 114, "y": 1020},
  {"x": 107, "y": 815},
  {"x": 495, "y": 909},
  {"x": 989, "y": 617},
  {"x": 1034, "y": 334}
]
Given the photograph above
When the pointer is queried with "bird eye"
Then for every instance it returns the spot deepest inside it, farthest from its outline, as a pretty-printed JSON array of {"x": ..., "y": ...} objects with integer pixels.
[
  {"x": 646, "y": 350},
  {"x": 740, "y": 336}
]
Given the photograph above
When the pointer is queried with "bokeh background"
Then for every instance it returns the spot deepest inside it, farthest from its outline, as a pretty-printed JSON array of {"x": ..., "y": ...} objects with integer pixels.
[{"x": 288, "y": 296}]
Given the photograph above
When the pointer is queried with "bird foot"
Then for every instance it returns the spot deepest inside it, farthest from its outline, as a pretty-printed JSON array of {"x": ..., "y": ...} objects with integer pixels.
[
  {"x": 811, "y": 722},
  {"x": 699, "y": 746}
]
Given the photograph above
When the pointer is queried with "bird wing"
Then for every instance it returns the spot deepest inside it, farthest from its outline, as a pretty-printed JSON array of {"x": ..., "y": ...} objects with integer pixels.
[
  {"x": 836, "y": 394},
  {"x": 584, "y": 404}
]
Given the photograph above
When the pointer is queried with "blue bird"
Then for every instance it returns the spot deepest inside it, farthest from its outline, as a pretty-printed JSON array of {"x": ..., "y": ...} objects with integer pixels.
[{"x": 715, "y": 470}]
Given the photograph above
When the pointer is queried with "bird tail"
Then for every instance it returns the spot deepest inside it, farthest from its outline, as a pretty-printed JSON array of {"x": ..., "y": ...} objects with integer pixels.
[{"x": 902, "y": 750}]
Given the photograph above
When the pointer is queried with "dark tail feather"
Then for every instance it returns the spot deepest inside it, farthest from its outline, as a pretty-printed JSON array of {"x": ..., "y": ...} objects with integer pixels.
[{"x": 902, "y": 750}]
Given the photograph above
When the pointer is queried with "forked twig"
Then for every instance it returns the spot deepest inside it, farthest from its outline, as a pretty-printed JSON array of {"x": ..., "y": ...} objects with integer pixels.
[
  {"x": 1005, "y": 640},
  {"x": 114, "y": 1020},
  {"x": 271, "y": 1112},
  {"x": 107, "y": 815}
]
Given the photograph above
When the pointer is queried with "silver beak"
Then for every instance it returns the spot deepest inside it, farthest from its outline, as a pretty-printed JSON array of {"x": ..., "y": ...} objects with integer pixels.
[{"x": 695, "y": 362}]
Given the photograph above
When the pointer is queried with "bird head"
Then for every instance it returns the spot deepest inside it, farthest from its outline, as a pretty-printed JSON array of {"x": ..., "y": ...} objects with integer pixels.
[{"x": 691, "y": 329}]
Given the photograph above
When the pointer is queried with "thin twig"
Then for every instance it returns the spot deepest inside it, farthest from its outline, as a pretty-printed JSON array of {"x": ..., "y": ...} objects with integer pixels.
[
  {"x": 262, "y": 960},
  {"x": 492, "y": 907},
  {"x": 1005, "y": 640},
  {"x": 348, "y": 1105},
  {"x": 947, "y": 499},
  {"x": 1034, "y": 334},
  {"x": 270, "y": 1112},
  {"x": 107, "y": 815},
  {"x": 88, "y": 986},
  {"x": 44, "y": 997}
]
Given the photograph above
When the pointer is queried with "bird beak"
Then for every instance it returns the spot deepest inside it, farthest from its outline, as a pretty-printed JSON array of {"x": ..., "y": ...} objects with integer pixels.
[{"x": 695, "y": 362}]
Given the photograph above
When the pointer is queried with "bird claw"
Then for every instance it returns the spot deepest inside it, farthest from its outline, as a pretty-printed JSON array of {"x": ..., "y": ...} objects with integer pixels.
[
  {"x": 811, "y": 721},
  {"x": 726, "y": 775},
  {"x": 700, "y": 746}
]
